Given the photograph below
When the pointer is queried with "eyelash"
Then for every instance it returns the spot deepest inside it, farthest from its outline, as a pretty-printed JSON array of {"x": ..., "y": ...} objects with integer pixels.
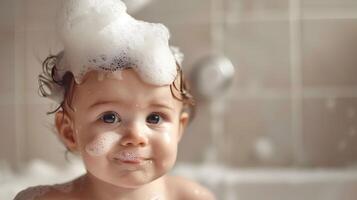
[
  {"x": 163, "y": 117},
  {"x": 116, "y": 120}
]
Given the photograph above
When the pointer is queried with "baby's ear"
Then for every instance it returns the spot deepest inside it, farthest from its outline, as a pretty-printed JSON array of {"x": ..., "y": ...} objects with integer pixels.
[
  {"x": 184, "y": 118},
  {"x": 65, "y": 130}
]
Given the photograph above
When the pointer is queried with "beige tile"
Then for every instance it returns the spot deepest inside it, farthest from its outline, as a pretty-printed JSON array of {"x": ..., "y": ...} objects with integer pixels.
[
  {"x": 171, "y": 11},
  {"x": 42, "y": 143},
  {"x": 258, "y": 132},
  {"x": 330, "y": 131},
  {"x": 328, "y": 53},
  {"x": 38, "y": 45},
  {"x": 6, "y": 15},
  {"x": 193, "y": 40},
  {"x": 260, "y": 52},
  {"x": 256, "y": 10},
  {"x": 7, "y": 134},
  {"x": 6, "y": 62},
  {"x": 196, "y": 139},
  {"x": 329, "y": 8},
  {"x": 7, "y": 86},
  {"x": 40, "y": 14}
]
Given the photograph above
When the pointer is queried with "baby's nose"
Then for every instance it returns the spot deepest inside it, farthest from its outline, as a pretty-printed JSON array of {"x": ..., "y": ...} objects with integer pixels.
[{"x": 134, "y": 136}]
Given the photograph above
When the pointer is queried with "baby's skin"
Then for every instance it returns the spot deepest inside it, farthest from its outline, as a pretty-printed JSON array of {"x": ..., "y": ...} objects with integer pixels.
[
  {"x": 164, "y": 188},
  {"x": 126, "y": 132}
]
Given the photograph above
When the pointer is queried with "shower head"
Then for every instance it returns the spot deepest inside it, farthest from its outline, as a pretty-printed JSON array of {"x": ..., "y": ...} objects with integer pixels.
[{"x": 212, "y": 76}]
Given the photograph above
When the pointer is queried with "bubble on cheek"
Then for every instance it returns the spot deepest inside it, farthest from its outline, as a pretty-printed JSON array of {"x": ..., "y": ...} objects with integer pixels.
[
  {"x": 150, "y": 162},
  {"x": 138, "y": 106},
  {"x": 167, "y": 137},
  {"x": 102, "y": 144},
  {"x": 157, "y": 197}
]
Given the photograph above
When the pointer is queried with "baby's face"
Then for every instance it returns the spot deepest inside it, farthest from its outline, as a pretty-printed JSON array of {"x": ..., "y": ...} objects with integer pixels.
[{"x": 126, "y": 130}]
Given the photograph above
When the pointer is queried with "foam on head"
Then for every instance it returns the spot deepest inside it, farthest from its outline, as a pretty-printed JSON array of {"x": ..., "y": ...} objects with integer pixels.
[{"x": 100, "y": 35}]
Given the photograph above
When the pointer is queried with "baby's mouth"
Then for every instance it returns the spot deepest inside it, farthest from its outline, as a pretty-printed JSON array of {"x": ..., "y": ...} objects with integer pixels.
[{"x": 130, "y": 157}]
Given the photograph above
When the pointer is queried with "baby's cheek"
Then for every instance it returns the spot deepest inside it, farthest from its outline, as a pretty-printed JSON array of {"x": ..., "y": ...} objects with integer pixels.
[
  {"x": 165, "y": 148},
  {"x": 169, "y": 135},
  {"x": 167, "y": 138},
  {"x": 102, "y": 143}
]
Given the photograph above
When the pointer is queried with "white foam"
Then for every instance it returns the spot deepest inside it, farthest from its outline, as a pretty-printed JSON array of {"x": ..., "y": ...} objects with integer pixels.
[
  {"x": 102, "y": 144},
  {"x": 99, "y": 34},
  {"x": 157, "y": 197},
  {"x": 167, "y": 137}
]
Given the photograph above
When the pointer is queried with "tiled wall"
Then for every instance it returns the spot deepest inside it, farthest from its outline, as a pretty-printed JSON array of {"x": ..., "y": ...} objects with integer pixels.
[
  {"x": 294, "y": 98},
  {"x": 7, "y": 141}
]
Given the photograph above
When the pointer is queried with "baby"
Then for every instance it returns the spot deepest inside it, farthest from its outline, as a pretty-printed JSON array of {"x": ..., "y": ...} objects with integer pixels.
[{"x": 123, "y": 109}]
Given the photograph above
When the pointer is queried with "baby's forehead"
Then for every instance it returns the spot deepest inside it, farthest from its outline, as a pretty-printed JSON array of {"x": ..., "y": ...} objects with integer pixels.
[
  {"x": 124, "y": 87},
  {"x": 120, "y": 79}
]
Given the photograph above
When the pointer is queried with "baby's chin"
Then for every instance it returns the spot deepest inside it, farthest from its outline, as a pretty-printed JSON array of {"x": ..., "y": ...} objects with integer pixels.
[
  {"x": 130, "y": 179},
  {"x": 134, "y": 181}
]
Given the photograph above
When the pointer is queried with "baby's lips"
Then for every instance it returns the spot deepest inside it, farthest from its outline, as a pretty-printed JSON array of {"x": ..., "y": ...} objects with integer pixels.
[{"x": 130, "y": 156}]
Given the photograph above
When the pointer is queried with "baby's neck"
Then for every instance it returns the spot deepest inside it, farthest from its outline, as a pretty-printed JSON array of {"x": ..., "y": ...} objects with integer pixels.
[{"x": 95, "y": 189}]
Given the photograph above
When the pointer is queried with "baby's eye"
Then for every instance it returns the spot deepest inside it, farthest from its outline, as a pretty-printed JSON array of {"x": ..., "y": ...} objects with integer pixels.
[
  {"x": 110, "y": 117},
  {"x": 153, "y": 118}
]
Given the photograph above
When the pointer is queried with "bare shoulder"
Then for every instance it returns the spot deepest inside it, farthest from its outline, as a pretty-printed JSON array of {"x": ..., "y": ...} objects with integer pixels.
[
  {"x": 183, "y": 188},
  {"x": 33, "y": 193},
  {"x": 47, "y": 192}
]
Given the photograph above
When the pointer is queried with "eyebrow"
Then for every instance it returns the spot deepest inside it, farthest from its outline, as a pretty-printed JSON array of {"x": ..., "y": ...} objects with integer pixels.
[
  {"x": 158, "y": 104},
  {"x": 99, "y": 103},
  {"x": 153, "y": 104}
]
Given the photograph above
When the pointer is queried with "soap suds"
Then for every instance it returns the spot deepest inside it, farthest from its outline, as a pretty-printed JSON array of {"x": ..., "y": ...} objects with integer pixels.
[
  {"x": 102, "y": 143},
  {"x": 100, "y": 34},
  {"x": 157, "y": 197},
  {"x": 167, "y": 137}
]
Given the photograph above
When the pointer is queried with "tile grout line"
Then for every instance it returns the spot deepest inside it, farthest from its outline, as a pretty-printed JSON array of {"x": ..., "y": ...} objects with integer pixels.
[
  {"x": 296, "y": 82},
  {"x": 19, "y": 93}
]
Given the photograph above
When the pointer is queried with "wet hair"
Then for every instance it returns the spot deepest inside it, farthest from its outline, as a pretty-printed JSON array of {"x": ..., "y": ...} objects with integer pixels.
[{"x": 179, "y": 87}]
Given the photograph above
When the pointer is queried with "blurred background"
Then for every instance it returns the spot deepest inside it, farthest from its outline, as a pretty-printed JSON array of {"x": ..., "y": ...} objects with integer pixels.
[{"x": 291, "y": 104}]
